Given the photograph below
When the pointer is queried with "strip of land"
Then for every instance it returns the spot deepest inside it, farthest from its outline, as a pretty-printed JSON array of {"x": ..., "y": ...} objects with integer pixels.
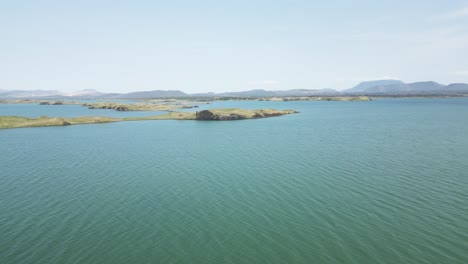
[
  {"x": 168, "y": 104},
  {"x": 148, "y": 105},
  {"x": 205, "y": 115},
  {"x": 318, "y": 98},
  {"x": 139, "y": 106}
]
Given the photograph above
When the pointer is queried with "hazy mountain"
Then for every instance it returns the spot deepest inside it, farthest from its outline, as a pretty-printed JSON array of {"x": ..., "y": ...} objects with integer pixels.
[
  {"x": 379, "y": 87},
  {"x": 85, "y": 92},
  {"x": 47, "y": 93},
  {"x": 89, "y": 93},
  {"x": 210, "y": 94},
  {"x": 457, "y": 87},
  {"x": 361, "y": 87},
  {"x": 28, "y": 94},
  {"x": 383, "y": 87},
  {"x": 387, "y": 88},
  {"x": 150, "y": 94},
  {"x": 417, "y": 87},
  {"x": 426, "y": 86},
  {"x": 306, "y": 92},
  {"x": 265, "y": 93},
  {"x": 251, "y": 93}
]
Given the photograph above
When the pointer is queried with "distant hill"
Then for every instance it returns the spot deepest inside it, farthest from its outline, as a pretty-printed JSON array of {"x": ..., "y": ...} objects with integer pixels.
[
  {"x": 47, "y": 93},
  {"x": 306, "y": 92},
  {"x": 426, "y": 86},
  {"x": 361, "y": 87},
  {"x": 375, "y": 88},
  {"x": 409, "y": 88},
  {"x": 265, "y": 93},
  {"x": 210, "y": 94},
  {"x": 89, "y": 93},
  {"x": 85, "y": 92},
  {"x": 457, "y": 87},
  {"x": 28, "y": 93},
  {"x": 251, "y": 93},
  {"x": 401, "y": 88},
  {"x": 150, "y": 94}
]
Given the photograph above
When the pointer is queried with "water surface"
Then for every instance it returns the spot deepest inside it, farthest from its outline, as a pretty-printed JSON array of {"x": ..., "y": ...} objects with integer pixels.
[{"x": 341, "y": 182}]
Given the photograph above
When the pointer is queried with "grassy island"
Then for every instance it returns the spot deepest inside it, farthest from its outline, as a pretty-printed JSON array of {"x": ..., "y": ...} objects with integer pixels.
[
  {"x": 205, "y": 115},
  {"x": 138, "y": 106},
  {"x": 149, "y": 105}
]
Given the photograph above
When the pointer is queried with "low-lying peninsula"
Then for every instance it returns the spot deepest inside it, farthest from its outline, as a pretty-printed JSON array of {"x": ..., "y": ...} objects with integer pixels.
[
  {"x": 138, "y": 106},
  {"x": 318, "y": 98},
  {"x": 205, "y": 115},
  {"x": 147, "y": 105}
]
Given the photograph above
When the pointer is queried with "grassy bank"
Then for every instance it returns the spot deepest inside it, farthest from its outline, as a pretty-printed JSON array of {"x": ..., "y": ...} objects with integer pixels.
[{"x": 215, "y": 114}]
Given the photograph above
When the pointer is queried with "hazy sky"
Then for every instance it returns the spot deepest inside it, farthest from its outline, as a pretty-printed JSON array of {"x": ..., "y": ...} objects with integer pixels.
[{"x": 199, "y": 46}]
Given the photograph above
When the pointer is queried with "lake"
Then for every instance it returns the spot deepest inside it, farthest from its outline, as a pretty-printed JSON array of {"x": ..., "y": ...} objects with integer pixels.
[{"x": 341, "y": 182}]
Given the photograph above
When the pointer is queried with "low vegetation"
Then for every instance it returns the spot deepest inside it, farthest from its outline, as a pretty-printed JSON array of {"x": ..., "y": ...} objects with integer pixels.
[
  {"x": 138, "y": 106},
  {"x": 150, "y": 105},
  {"x": 215, "y": 114}
]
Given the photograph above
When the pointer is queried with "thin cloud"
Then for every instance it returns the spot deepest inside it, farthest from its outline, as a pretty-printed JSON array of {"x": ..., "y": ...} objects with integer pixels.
[
  {"x": 456, "y": 14},
  {"x": 264, "y": 82},
  {"x": 386, "y": 77},
  {"x": 365, "y": 78},
  {"x": 462, "y": 73}
]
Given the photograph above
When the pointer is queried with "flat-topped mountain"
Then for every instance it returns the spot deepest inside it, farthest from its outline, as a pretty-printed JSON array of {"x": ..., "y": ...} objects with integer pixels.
[
  {"x": 363, "y": 86},
  {"x": 406, "y": 87}
]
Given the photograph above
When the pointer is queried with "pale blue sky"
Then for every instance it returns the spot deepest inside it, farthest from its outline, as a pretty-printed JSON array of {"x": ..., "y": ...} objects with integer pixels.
[{"x": 200, "y": 46}]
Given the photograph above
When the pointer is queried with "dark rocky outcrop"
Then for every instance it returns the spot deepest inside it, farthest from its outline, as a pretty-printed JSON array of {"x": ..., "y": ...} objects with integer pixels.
[
  {"x": 230, "y": 117},
  {"x": 121, "y": 108},
  {"x": 205, "y": 115},
  {"x": 208, "y": 115},
  {"x": 272, "y": 114},
  {"x": 44, "y": 103},
  {"x": 118, "y": 108},
  {"x": 57, "y": 103}
]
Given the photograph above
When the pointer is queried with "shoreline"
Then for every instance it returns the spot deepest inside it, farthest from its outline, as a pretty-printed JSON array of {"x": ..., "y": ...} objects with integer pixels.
[{"x": 222, "y": 114}]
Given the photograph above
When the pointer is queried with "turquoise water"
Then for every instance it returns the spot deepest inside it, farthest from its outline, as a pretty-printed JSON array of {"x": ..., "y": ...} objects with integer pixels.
[{"x": 341, "y": 182}]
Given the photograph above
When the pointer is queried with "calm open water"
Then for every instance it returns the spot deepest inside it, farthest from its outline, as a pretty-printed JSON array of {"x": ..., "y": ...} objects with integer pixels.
[{"x": 341, "y": 182}]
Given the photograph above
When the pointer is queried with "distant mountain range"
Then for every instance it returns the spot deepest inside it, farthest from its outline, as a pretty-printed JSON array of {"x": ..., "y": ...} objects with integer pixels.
[
  {"x": 265, "y": 93},
  {"x": 159, "y": 94},
  {"x": 47, "y": 93},
  {"x": 375, "y": 88},
  {"x": 395, "y": 87}
]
